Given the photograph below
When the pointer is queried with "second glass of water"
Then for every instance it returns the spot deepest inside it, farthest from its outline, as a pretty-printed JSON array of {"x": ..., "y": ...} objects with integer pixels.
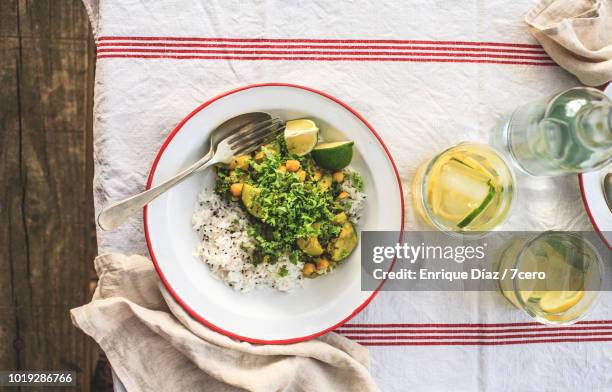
[{"x": 555, "y": 277}]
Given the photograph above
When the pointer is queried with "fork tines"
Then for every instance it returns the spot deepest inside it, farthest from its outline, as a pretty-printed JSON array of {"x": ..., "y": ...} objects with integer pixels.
[{"x": 253, "y": 136}]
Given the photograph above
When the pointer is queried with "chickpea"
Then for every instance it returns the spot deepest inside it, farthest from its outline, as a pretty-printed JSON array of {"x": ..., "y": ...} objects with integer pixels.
[
  {"x": 308, "y": 269},
  {"x": 301, "y": 175},
  {"x": 317, "y": 175},
  {"x": 236, "y": 189},
  {"x": 338, "y": 177},
  {"x": 343, "y": 195},
  {"x": 241, "y": 162},
  {"x": 322, "y": 264},
  {"x": 260, "y": 156},
  {"x": 292, "y": 165},
  {"x": 282, "y": 169}
]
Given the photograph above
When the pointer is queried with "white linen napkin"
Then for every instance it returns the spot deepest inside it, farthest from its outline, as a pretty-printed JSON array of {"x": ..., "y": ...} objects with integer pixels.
[
  {"x": 426, "y": 75},
  {"x": 154, "y": 345},
  {"x": 577, "y": 34}
]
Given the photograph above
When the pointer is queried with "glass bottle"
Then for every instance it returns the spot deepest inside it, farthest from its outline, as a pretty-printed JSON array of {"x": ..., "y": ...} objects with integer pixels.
[{"x": 570, "y": 132}]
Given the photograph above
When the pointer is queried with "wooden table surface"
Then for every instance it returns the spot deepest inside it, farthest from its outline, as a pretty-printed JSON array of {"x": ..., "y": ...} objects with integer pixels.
[{"x": 47, "y": 232}]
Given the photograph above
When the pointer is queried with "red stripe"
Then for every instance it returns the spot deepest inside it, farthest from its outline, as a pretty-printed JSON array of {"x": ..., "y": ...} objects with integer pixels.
[
  {"x": 485, "y": 343},
  {"x": 260, "y": 58},
  {"x": 321, "y": 52},
  {"x": 458, "y": 331},
  {"x": 467, "y": 337},
  {"x": 385, "y": 47},
  {"x": 314, "y": 40},
  {"x": 465, "y": 325}
]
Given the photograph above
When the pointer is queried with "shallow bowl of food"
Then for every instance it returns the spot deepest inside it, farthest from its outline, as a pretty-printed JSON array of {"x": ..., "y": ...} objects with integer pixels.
[{"x": 282, "y": 313}]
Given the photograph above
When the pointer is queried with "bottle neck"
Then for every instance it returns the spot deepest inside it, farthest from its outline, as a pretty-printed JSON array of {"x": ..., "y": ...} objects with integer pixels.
[{"x": 594, "y": 125}]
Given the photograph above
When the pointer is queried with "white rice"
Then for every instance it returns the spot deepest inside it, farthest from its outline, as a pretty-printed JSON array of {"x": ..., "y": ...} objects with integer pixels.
[
  {"x": 224, "y": 247},
  {"x": 356, "y": 197}
]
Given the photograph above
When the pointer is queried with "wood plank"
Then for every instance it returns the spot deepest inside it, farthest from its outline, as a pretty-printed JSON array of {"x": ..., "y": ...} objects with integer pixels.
[
  {"x": 8, "y": 18},
  {"x": 47, "y": 242},
  {"x": 68, "y": 21},
  {"x": 9, "y": 197},
  {"x": 53, "y": 20}
]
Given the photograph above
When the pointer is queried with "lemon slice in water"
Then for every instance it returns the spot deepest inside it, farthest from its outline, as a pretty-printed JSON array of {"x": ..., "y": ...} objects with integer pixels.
[{"x": 560, "y": 301}]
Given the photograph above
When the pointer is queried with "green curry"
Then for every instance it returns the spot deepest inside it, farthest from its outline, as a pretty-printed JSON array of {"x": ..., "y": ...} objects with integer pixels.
[{"x": 295, "y": 207}]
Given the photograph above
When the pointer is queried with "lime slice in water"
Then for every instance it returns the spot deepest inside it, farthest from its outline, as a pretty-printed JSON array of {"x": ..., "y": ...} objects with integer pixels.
[
  {"x": 301, "y": 136},
  {"x": 478, "y": 210}
]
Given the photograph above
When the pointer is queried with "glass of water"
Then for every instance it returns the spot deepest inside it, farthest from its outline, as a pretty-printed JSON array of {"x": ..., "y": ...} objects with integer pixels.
[
  {"x": 570, "y": 132},
  {"x": 465, "y": 189},
  {"x": 555, "y": 277}
]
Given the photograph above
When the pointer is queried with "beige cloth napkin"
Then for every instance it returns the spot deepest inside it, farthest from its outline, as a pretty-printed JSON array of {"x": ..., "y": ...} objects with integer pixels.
[
  {"x": 577, "y": 34},
  {"x": 154, "y": 345}
]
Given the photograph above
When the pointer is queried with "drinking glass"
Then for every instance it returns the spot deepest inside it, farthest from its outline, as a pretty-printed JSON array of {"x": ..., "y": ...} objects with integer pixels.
[
  {"x": 467, "y": 188},
  {"x": 555, "y": 277}
]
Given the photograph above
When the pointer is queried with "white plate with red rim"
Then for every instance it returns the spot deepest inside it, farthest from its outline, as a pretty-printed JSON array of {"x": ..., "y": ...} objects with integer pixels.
[
  {"x": 266, "y": 315},
  {"x": 591, "y": 186}
]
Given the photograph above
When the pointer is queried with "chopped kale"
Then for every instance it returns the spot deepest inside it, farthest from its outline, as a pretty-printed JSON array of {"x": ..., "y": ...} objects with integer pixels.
[
  {"x": 283, "y": 271},
  {"x": 289, "y": 206}
]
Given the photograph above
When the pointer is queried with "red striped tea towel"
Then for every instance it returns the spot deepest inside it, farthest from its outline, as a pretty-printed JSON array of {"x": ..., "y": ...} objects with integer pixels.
[{"x": 426, "y": 75}]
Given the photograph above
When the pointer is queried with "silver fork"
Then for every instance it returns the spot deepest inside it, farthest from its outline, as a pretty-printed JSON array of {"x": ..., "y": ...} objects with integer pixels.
[{"x": 241, "y": 142}]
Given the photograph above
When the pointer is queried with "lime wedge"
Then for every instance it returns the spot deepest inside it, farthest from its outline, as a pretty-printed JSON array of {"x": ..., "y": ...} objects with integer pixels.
[
  {"x": 334, "y": 155},
  {"x": 301, "y": 136}
]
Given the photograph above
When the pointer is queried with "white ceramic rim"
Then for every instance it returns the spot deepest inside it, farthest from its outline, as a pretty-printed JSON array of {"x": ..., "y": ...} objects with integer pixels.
[{"x": 594, "y": 199}]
